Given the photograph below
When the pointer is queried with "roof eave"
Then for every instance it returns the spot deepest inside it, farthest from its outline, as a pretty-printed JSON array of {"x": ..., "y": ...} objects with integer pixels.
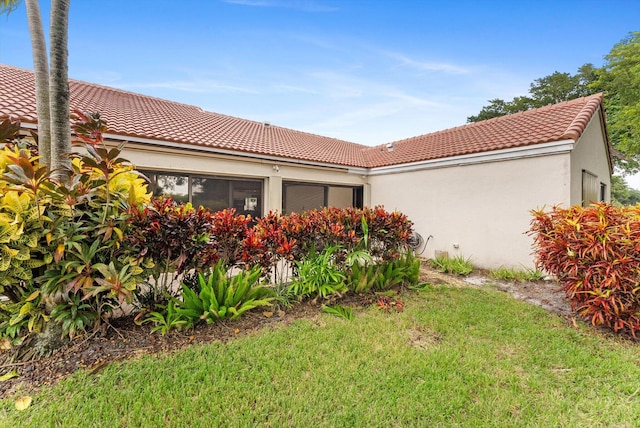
[{"x": 535, "y": 150}]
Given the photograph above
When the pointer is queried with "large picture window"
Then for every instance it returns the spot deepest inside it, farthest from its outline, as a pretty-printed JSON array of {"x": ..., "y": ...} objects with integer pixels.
[
  {"x": 298, "y": 197},
  {"x": 213, "y": 192}
]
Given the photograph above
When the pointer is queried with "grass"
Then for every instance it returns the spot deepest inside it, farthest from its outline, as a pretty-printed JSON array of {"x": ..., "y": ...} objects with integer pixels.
[
  {"x": 457, "y": 265},
  {"x": 514, "y": 275},
  {"x": 455, "y": 357}
]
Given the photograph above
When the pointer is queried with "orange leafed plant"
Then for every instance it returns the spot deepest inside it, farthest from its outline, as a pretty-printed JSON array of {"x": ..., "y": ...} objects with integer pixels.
[{"x": 595, "y": 254}]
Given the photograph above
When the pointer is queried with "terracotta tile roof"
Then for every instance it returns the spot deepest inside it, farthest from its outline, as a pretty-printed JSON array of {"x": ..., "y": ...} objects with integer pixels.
[
  {"x": 551, "y": 123},
  {"x": 134, "y": 115}
]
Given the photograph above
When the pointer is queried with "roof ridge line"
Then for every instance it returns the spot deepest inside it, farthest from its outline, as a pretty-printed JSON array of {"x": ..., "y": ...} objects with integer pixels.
[{"x": 579, "y": 123}]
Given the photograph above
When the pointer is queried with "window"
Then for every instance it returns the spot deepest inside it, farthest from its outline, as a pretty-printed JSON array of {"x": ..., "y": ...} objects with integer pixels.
[
  {"x": 603, "y": 192},
  {"x": 170, "y": 185},
  {"x": 590, "y": 188},
  {"x": 298, "y": 197},
  {"x": 215, "y": 193}
]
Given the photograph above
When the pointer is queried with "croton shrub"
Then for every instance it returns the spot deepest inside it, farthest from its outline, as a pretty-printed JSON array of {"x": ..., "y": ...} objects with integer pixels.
[
  {"x": 595, "y": 254},
  {"x": 293, "y": 236},
  {"x": 63, "y": 243}
]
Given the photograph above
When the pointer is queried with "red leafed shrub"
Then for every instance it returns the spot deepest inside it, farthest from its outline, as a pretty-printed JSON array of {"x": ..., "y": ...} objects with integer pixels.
[
  {"x": 177, "y": 237},
  {"x": 291, "y": 237},
  {"x": 229, "y": 232},
  {"x": 595, "y": 254},
  {"x": 389, "y": 232}
]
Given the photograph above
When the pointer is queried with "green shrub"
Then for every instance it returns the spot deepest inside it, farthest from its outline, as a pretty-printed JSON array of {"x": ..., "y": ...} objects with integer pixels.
[
  {"x": 223, "y": 297},
  {"x": 74, "y": 315},
  {"x": 318, "y": 275},
  {"x": 595, "y": 255},
  {"x": 168, "y": 319},
  {"x": 458, "y": 265}
]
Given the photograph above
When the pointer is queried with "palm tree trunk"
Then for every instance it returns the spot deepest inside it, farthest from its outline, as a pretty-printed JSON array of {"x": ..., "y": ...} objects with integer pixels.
[
  {"x": 59, "y": 90},
  {"x": 41, "y": 72}
]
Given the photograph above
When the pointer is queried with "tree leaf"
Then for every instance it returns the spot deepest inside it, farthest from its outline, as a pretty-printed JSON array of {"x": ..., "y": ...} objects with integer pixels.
[
  {"x": 9, "y": 375},
  {"x": 23, "y": 403}
]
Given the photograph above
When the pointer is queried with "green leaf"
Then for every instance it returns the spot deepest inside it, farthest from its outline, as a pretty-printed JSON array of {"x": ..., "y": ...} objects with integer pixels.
[{"x": 9, "y": 375}]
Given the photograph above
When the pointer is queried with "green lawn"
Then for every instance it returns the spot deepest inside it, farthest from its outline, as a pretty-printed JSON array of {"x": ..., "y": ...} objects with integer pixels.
[{"x": 454, "y": 357}]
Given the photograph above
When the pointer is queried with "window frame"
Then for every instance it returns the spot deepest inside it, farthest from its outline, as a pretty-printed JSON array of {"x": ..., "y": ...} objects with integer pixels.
[
  {"x": 357, "y": 195},
  {"x": 153, "y": 174}
]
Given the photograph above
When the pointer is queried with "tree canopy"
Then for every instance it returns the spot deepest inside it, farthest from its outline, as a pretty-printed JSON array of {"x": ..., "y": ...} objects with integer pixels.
[
  {"x": 619, "y": 79},
  {"x": 552, "y": 89}
]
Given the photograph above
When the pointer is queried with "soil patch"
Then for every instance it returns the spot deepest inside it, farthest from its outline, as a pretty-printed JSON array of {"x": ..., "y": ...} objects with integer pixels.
[{"x": 125, "y": 340}]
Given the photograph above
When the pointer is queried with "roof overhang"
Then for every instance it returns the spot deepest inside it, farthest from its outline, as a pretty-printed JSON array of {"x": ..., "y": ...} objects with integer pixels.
[
  {"x": 535, "y": 150},
  {"x": 234, "y": 153}
]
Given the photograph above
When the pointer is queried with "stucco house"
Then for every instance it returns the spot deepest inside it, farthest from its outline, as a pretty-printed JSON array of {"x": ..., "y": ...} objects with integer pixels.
[{"x": 469, "y": 188}]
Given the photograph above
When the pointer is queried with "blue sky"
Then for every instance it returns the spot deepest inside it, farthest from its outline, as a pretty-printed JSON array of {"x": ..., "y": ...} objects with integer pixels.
[{"x": 367, "y": 71}]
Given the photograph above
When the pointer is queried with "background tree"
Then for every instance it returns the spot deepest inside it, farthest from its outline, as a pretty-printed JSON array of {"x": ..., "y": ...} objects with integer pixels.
[
  {"x": 52, "y": 82},
  {"x": 619, "y": 79},
  {"x": 552, "y": 89},
  {"x": 622, "y": 194}
]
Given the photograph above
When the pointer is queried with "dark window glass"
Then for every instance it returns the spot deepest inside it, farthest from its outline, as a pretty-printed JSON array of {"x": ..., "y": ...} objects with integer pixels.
[
  {"x": 212, "y": 193},
  {"x": 246, "y": 197},
  {"x": 303, "y": 197}
]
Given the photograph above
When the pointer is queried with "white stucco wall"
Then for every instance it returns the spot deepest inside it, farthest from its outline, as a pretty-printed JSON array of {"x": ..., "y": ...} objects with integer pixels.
[
  {"x": 590, "y": 153},
  {"x": 478, "y": 210}
]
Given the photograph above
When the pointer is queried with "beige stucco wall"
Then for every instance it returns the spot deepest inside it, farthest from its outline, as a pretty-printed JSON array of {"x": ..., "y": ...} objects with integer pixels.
[
  {"x": 590, "y": 153},
  {"x": 145, "y": 156},
  {"x": 478, "y": 210}
]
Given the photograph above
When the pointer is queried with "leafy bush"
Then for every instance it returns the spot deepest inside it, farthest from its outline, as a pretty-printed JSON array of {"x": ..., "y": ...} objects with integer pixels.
[
  {"x": 177, "y": 238},
  {"x": 318, "y": 275},
  {"x": 168, "y": 319},
  {"x": 458, "y": 265},
  {"x": 288, "y": 239},
  {"x": 74, "y": 315},
  {"x": 223, "y": 297},
  {"x": 363, "y": 277},
  {"x": 65, "y": 238},
  {"x": 594, "y": 253}
]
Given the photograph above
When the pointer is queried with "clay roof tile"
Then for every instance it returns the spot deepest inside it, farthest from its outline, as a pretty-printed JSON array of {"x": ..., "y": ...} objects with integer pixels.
[{"x": 134, "y": 115}]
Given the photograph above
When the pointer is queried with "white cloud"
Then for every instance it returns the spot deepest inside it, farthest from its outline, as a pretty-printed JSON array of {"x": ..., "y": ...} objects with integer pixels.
[
  {"x": 302, "y": 5},
  {"x": 192, "y": 86},
  {"x": 427, "y": 65}
]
